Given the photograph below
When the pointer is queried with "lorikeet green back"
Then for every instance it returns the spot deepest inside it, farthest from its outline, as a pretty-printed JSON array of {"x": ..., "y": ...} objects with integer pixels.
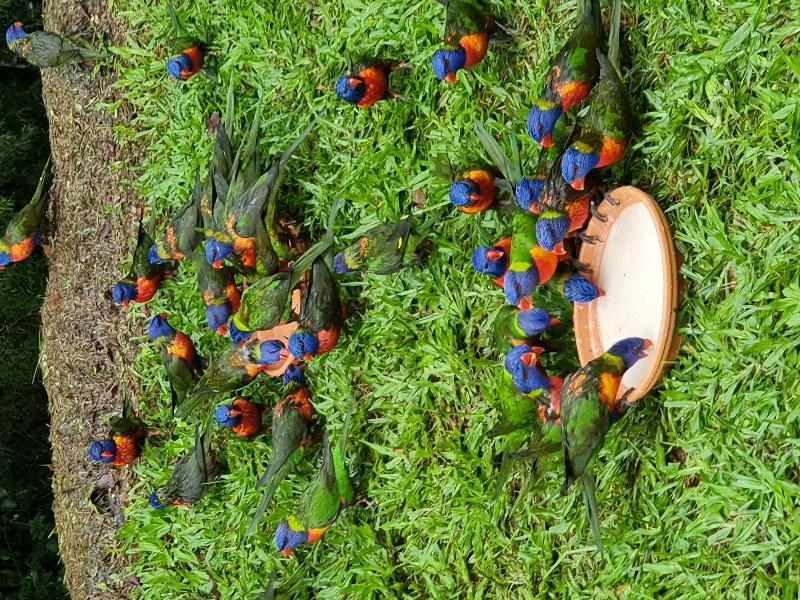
[
  {"x": 264, "y": 303},
  {"x": 181, "y": 233},
  {"x": 24, "y": 230},
  {"x": 380, "y": 250},
  {"x": 320, "y": 314},
  {"x": 463, "y": 17},
  {"x": 48, "y": 49}
]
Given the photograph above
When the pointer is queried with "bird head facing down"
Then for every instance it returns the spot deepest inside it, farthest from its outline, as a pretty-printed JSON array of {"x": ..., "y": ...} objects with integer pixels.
[
  {"x": 578, "y": 160},
  {"x": 630, "y": 350},
  {"x": 535, "y": 321},
  {"x": 123, "y": 292},
  {"x": 154, "y": 501},
  {"x": 14, "y": 35},
  {"x": 5, "y": 259},
  {"x": 104, "y": 451},
  {"x": 154, "y": 258},
  {"x": 351, "y": 88},
  {"x": 447, "y": 62},
  {"x": 490, "y": 260},
  {"x": 294, "y": 373},
  {"x": 303, "y": 345},
  {"x": 217, "y": 316},
  {"x": 463, "y": 192},
  {"x": 526, "y": 192},
  {"x": 238, "y": 335},
  {"x": 217, "y": 250},
  {"x": 228, "y": 415},
  {"x": 159, "y": 326},
  {"x": 541, "y": 121},
  {"x": 519, "y": 284},
  {"x": 289, "y": 535},
  {"x": 551, "y": 228},
  {"x": 579, "y": 289},
  {"x": 340, "y": 264},
  {"x": 180, "y": 66}
]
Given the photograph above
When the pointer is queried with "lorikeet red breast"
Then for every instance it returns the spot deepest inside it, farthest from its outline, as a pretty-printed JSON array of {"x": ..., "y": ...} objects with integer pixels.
[
  {"x": 242, "y": 416},
  {"x": 124, "y": 444},
  {"x": 190, "y": 60},
  {"x": 367, "y": 82},
  {"x": 24, "y": 230},
  {"x": 474, "y": 192},
  {"x": 184, "y": 366},
  {"x": 466, "y": 38}
]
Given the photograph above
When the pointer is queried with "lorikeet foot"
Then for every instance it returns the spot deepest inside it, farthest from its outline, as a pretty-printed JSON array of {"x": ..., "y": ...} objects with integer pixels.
[
  {"x": 597, "y": 214},
  {"x": 588, "y": 239}
]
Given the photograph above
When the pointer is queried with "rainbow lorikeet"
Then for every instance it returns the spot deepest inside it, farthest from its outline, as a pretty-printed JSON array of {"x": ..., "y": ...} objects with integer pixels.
[
  {"x": 474, "y": 192},
  {"x": 573, "y": 72},
  {"x": 576, "y": 288},
  {"x": 467, "y": 31},
  {"x": 124, "y": 442},
  {"x": 190, "y": 60},
  {"x": 242, "y": 416},
  {"x": 527, "y": 192},
  {"x": 530, "y": 265},
  {"x": 220, "y": 294},
  {"x": 320, "y": 315},
  {"x": 24, "y": 230},
  {"x": 46, "y": 48},
  {"x": 522, "y": 362},
  {"x": 192, "y": 475},
  {"x": 604, "y": 132},
  {"x": 240, "y": 235},
  {"x": 367, "y": 82},
  {"x": 291, "y": 433},
  {"x": 514, "y": 326},
  {"x": 493, "y": 260},
  {"x": 180, "y": 235},
  {"x": 562, "y": 209},
  {"x": 379, "y": 251},
  {"x": 184, "y": 366},
  {"x": 588, "y": 400},
  {"x": 322, "y": 501},
  {"x": 142, "y": 281},
  {"x": 264, "y": 305}
]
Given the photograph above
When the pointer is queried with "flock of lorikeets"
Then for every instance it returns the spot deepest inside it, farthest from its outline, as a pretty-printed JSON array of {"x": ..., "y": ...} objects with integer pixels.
[{"x": 277, "y": 296}]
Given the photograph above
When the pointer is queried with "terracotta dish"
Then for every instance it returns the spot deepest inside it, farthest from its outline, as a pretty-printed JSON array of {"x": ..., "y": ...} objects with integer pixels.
[{"x": 633, "y": 260}]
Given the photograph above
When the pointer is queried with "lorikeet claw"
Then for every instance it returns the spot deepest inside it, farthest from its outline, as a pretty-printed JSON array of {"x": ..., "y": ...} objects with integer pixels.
[
  {"x": 588, "y": 239},
  {"x": 597, "y": 214},
  {"x": 580, "y": 266},
  {"x": 610, "y": 199}
]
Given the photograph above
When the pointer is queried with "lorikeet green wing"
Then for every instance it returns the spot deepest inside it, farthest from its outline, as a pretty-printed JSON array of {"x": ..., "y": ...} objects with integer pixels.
[
  {"x": 463, "y": 17},
  {"x": 380, "y": 250},
  {"x": 48, "y": 49},
  {"x": 264, "y": 303},
  {"x": 24, "y": 230},
  {"x": 191, "y": 476},
  {"x": 181, "y": 233},
  {"x": 182, "y": 37}
]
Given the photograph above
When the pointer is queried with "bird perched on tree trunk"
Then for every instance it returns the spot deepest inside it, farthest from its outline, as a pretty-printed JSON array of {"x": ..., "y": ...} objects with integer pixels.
[
  {"x": 192, "y": 475},
  {"x": 191, "y": 58},
  {"x": 466, "y": 38},
  {"x": 367, "y": 82},
  {"x": 24, "y": 230},
  {"x": 47, "y": 49},
  {"x": 588, "y": 399},
  {"x": 184, "y": 366},
  {"x": 124, "y": 442}
]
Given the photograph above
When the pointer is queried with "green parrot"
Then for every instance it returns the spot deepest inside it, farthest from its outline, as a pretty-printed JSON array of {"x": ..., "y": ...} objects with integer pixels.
[
  {"x": 181, "y": 233},
  {"x": 467, "y": 30},
  {"x": 589, "y": 406},
  {"x": 24, "y": 230},
  {"x": 184, "y": 366},
  {"x": 530, "y": 265},
  {"x": 144, "y": 278},
  {"x": 191, "y": 55},
  {"x": 380, "y": 250},
  {"x": 326, "y": 495},
  {"x": 221, "y": 296},
  {"x": 46, "y": 48},
  {"x": 291, "y": 430},
  {"x": 513, "y": 325},
  {"x": 191, "y": 476}
]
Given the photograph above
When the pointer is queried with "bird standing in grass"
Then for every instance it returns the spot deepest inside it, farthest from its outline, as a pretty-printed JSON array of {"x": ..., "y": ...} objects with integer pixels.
[
  {"x": 143, "y": 279},
  {"x": 572, "y": 74},
  {"x": 474, "y": 192},
  {"x": 220, "y": 293},
  {"x": 379, "y": 251},
  {"x": 264, "y": 305},
  {"x": 181, "y": 233},
  {"x": 242, "y": 416},
  {"x": 24, "y": 231},
  {"x": 190, "y": 59},
  {"x": 530, "y": 265},
  {"x": 320, "y": 314},
  {"x": 192, "y": 475},
  {"x": 588, "y": 399},
  {"x": 367, "y": 82},
  {"x": 562, "y": 209},
  {"x": 493, "y": 260},
  {"x": 322, "y": 501},
  {"x": 184, "y": 366},
  {"x": 514, "y": 326},
  {"x": 124, "y": 443},
  {"x": 466, "y": 38},
  {"x": 45, "y": 48}
]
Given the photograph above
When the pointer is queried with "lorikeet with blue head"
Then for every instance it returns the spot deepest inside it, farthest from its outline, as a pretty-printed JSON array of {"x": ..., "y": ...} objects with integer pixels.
[
  {"x": 291, "y": 433},
  {"x": 124, "y": 442},
  {"x": 367, "y": 82},
  {"x": 474, "y": 192},
  {"x": 466, "y": 38},
  {"x": 242, "y": 416},
  {"x": 321, "y": 314},
  {"x": 142, "y": 281},
  {"x": 184, "y": 366},
  {"x": 192, "y": 475},
  {"x": 603, "y": 133},
  {"x": 576, "y": 288},
  {"x": 220, "y": 292},
  {"x": 530, "y": 265},
  {"x": 264, "y": 305},
  {"x": 573, "y": 72},
  {"x": 514, "y": 326},
  {"x": 47, "y": 49},
  {"x": 181, "y": 233},
  {"x": 24, "y": 230},
  {"x": 493, "y": 260},
  {"x": 189, "y": 61},
  {"x": 588, "y": 400},
  {"x": 327, "y": 494},
  {"x": 379, "y": 251}
]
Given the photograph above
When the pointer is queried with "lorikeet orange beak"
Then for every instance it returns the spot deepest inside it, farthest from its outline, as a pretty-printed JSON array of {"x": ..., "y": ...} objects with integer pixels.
[
  {"x": 234, "y": 412},
  {"x": 647, "y": 344},
  {"x": 222, "y": 329},
  {"x": 554, "y": 321},
  {"x": 217, "y": 264},
  {"x": 106, "y": 453},
  {"x": 494, "y": 254},
  {"x": 547, "y": 141},
  {"x": 450, "y": 77},
  {"x": 578, "y": 183},
  {"x": 287, "y": 551},
  {"x": 354, "y": 82}
]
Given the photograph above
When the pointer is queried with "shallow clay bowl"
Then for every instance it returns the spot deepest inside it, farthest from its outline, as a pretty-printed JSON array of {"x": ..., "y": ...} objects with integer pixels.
[{"x": 634, "y": 262}]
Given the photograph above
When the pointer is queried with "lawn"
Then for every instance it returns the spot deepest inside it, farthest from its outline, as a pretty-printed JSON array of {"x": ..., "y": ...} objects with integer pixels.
[{"x": 697, "y": 489}]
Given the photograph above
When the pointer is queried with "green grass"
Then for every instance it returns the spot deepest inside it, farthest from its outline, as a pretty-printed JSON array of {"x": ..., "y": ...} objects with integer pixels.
[{"x": 697, "y": 490}]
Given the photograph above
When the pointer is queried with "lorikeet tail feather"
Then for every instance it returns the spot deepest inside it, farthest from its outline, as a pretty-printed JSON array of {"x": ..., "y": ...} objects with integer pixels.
[
  {"x": 269, "y": 593},
  {"x": 272, "y": 478},
  {"x": 180, "y": 30},
  {"x": 505, "y": 466},
  {"x": 339, "y": 459},
  {"x": 613, "y": 34},
  {"x": 302, "y": 264},
  {"x": 191, "y": 402},
  {"x": 590, "y": 501}
]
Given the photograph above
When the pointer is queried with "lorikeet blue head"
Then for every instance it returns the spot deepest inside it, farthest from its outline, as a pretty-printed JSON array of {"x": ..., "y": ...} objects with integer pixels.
[
  {"x": 104, "y": 451},
  {"x": 490, "y": 260},
  {"x": 521, "y": 362},
  {"x": 14, "y": 35},
  {"x": 153, "y": 257},
  {"x": 294, "y": 373},
  {"x": 579, "y": 289},
  {"x": 461, "y": 192},
  {"x": 227, "y": 415},
  {"x": 350, "y": 88},
  {"x": 340, "y": 265},
  {"x": 534, "y": 321},
  {"x": 527, "y": 191},
  {"x": 154, "y": 500},
  {"x": 217, "y": 316},
  {"x": 630, "y": 350},
  {"x": 303, "y": 344},
  {"x": 123, "y": 292},
  {"x": 159, "y": 327},
  {"x": 289, "y": 535},
  {"x": 271, "y": 351},
  {"x": 576, "y": 163},
  {"x": 447, "y": 62},
  {"x": 542, "y": 119},
  {"x": 551, "y": 228},
  {"x": 238, "y": 335},
  {"x": 5, "y": 259},
  {"x": 518, "y": 284},
  {"x": 217, "y": 251},
  {"x": 177, "y": 64}
]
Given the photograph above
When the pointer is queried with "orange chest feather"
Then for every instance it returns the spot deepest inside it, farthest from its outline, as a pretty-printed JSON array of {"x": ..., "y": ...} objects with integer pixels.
[
  {"x": 578, "y": 212},
  {"x": 22, "y": 250},
  {"x": 475, "y": 46},
  {"x": 182, "y": 347},
  {"x": 572, "y": 92},
  {"x": 232, "y": 293},
  {"x": 196, "y": 55},
  {"x": 486, "y": 191},
  {"x": 328, "y": 338},
  {"x": 612, "y": 150},
  {"x": 609, "y": 385},
  {"x": 546, "y": 263},
  {"x": 376, "y": 83},
  {"x": 127, "y": 450},
  {"x": 146, "y": 288}
]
